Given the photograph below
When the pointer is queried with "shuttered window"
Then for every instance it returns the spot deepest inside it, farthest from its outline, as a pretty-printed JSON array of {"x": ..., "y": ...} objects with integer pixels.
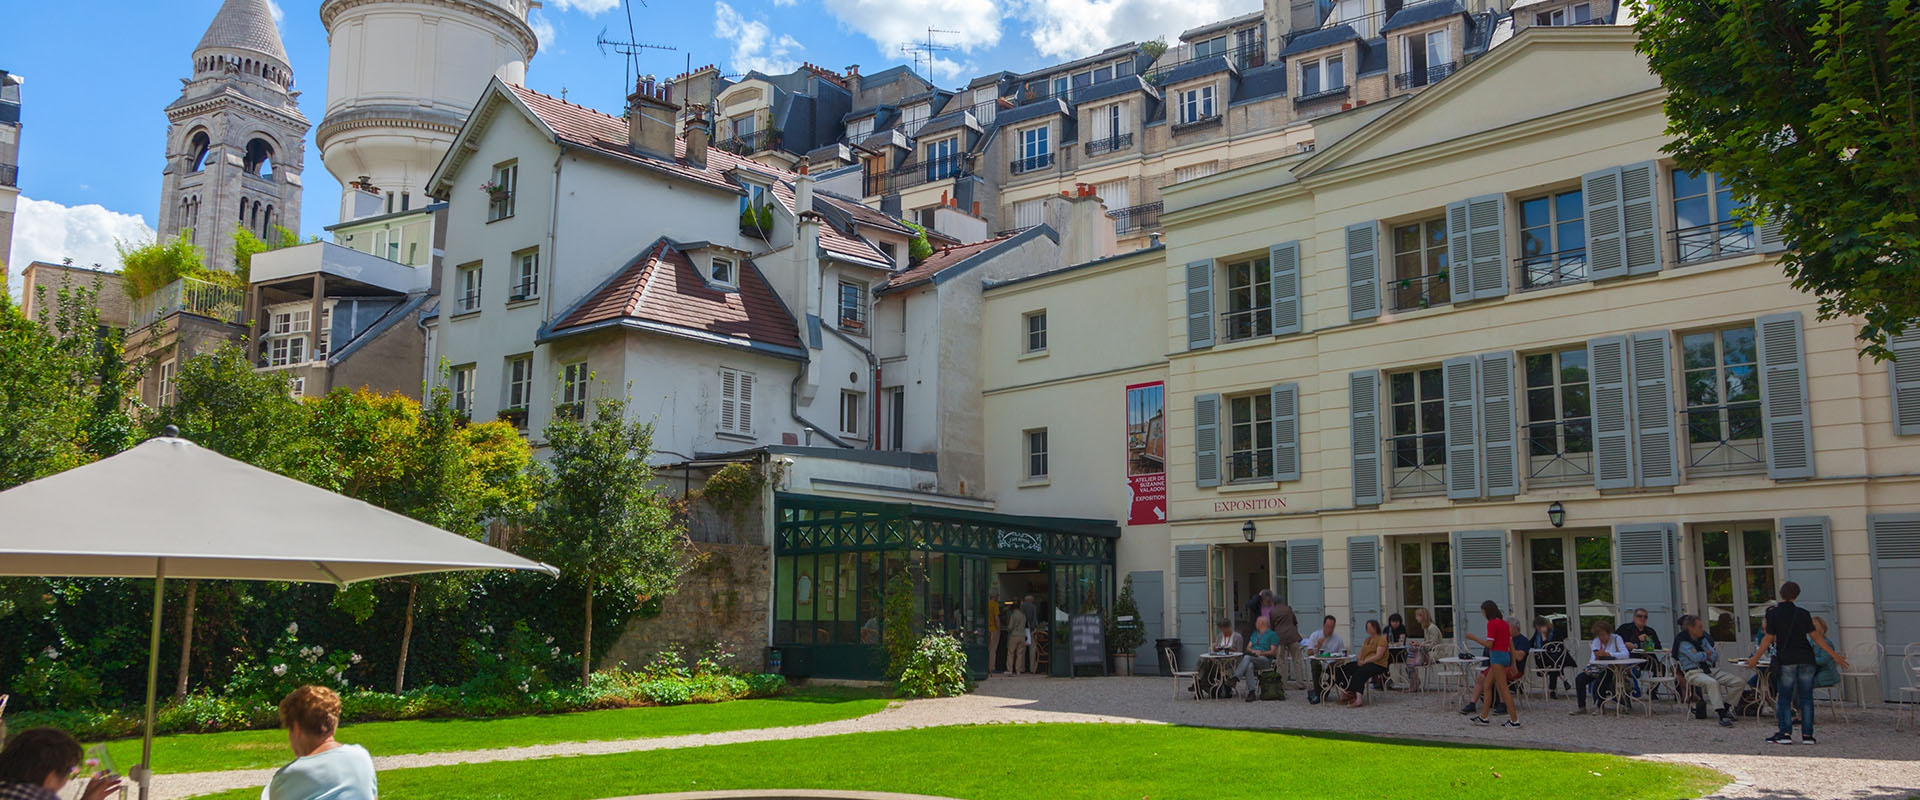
[
  {"x": 1623, "y": 231},
  {"x": 1499, "y": 432},
  {"x": 1286, "y": 432},
  {"x": 1787, "y": 423},
  {"x": 1363, "y": 391},
  {"x": 1250, "y": 437},
  {"x": 1417, "y": 434},
  {"x": 1612, "y": 416},
  {"x": 1460, "y": 378},
  {"x": 1206, "y": 440},
  {"x": 1722, "y": 379},
  {"x": 1606, "y": 249},
  {"x": 1285, "y": 259},
  {"x": 1363, "y": 581},
  {"x": 1559, "y": 418},
  {"x": 1421, "y": 268},
  {"x": 1306, "y": 584},
  {"x": 736, "y": 401},
  {"x": 1199, "y": 304},
  {"x": 1903, "y": 377},
  {"x": 1480, "y": 570},
  {"x": 1648, "y": 565},
  {"x": 1806, "y": 558},
  {"x": 1476, "y": 230},
  {"x": 1363, "y": 271},
  {"x": 1653, "y": 417},
  {"x": 1249, "y": 289}
]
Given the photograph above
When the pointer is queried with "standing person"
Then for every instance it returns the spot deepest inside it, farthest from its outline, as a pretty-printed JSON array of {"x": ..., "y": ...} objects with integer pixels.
[
  {"x": 1371, "y": 664},
  {"x": 1253, "y": 607},
  {"x": 39, "y": 762},
  {"x": 322, "y": 769},
  {"x": 1019, "y": 640},
  {"x": 1699, "y": 664},
  {"x": 1791, "y": 633},
  {"x": 993, "y": 631},
  {"x": 1321, "y": 641},
  {"x": 1606, "y": 645},
  {"x": 1266, "y": 605},
  {"x": 1286, "y": 627},
  {"x": 1262, "y": 648},
  {"x": 1034, "y": 623},
  {"x": 1499, "y": 644}
]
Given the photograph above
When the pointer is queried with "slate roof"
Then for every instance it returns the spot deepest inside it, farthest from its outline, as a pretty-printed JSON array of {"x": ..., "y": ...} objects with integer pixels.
[
  {"x": 1031, "y": 111},
  {"x": 1325, "y": 37},
  {"x": 1113, "y": 88},
  {"x": 1418, "y": 13},
  {"x": 1193, "y": 69},
  {"x": 661, "y": 286},
  {"x": 244, "y": 25},
  {"x": 941, "y": 260},
  {"x": 1222, "y": 25},
  {"x": 1264, "y": 81},
  {"x": 584, "y": 127}
]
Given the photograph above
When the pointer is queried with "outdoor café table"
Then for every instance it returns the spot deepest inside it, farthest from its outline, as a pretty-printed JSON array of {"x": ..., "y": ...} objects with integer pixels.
[
  {"x": 1213, "y": 671},
  {"x": 1763, "y": 684},
  {"x": 1327, "y": 662},
  {"x": 1396, "y": 654},
  {"x": 1467, "y": 673},
  {"x": 1622, "y": 679}
]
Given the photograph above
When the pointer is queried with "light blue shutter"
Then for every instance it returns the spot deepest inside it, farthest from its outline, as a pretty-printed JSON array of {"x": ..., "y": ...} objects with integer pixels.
[
  {"x": 1306, "y": 586},
  {"x": 1499, "y": 432},
  {"x": 1286, "y": 432},
  {"x": 1363, "y": 580},
  {"x": 1806, "y": 548},
  {"x": 1487, "y": 250},
  {"x": 1363, "y": 271},
  {"x": 1285, "y": 262},
  {"x": 1640, "y": 217},
  {"x": 1656, "y": 459},
  {"x": 1459, "y": 252},
  {"x": 1903, "y": 380},
  {"x": 1784, "y": 413},
  {"x": 1206, "y": 440},
  {"x": 1479, "y": 575},
  {"x": 1894, "y": 548},
  {"x": 1645, "y": 559},
  {"x": 1606, "y": 248},
  {"x": 1199, "y": 304},
  {"x": 1363, "y": 393},
  {"x": 1612, "y": 413},
  {"x": 1190, "y": 597},
  {"x": 1460, "y": 379},
  {"x": 1770, "y": 236}
]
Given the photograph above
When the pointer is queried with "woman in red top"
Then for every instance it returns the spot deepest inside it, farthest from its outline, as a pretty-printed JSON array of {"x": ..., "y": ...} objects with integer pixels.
[{"x": 1499, "y": 644}]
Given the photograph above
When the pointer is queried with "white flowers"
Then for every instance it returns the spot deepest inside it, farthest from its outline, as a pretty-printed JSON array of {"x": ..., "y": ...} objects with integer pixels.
[
  {"x": 549, "y": 640},
  {"x": 50, "y": 652},
  {"x": 523, "y": 686},
  {"x": 279, "y": 670},
  {"x": 293, "y": 629},
  {"x": 333, "y": 670},
  {"x": 555, "y": 652},
  {"x": 355, "y": 659},
  {"x": 487, "y": 629},
  {"x": 319, "y": 651}
]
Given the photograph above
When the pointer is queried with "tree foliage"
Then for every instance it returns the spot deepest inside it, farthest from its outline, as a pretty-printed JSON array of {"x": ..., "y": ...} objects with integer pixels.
[
  {"x": 1807, "y": 109},
  {"x": 246, "y": 246},
  {"x": 918, "y": 248},
  {"x": 64, "y": 387},
  {"x": 147, "y": 268}
]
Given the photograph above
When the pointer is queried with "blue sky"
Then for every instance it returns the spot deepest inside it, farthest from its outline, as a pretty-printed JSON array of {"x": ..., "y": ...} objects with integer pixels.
[{"x": 98, "y": 75}]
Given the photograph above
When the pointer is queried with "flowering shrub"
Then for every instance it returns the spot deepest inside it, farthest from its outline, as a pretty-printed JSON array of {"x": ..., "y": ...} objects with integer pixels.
[
  {"x": 287, "y": 666},
  {"x": 936, "y": 667},
  {"x": 521, "y": 664}
]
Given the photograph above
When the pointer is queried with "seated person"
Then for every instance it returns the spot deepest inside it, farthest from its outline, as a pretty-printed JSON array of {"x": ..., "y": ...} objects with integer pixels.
[
  {"x": 1321, "y": 641},
  {"x": 1549, "y": 650},
  {"x": 1597, "y": 679},
  {"x": 38, "y": 762},
  {"x": 1229, "y": 640},
  {"x": 1636, "y": 633},
  {"x": 1261, "y": 650},
  {"x": 1699, "y": 663},
  {"x": 1372, "y": 663},
  {"x": 322, "y": 768}
]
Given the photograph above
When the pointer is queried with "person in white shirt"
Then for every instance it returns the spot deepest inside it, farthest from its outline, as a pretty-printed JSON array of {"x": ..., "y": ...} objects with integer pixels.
[
  {"x": 1606, "y": 646},
  {"x": 1321, "y": 641},
  {"x": 323, "y": 769}
]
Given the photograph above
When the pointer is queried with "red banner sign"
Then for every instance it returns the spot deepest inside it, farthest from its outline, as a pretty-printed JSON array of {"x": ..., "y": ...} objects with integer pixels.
[{"x": 1147, "y": 453}]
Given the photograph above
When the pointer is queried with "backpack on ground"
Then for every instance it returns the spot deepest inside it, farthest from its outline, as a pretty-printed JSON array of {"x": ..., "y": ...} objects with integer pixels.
[{"x": 1273, "y": 685}]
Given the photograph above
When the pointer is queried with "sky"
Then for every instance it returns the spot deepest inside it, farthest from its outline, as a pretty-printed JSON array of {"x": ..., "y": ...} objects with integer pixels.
[{"x": 100, "y": 72}]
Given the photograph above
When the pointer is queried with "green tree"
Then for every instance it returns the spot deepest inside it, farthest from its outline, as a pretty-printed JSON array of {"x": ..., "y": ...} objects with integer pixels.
[
  {"x": 146, "y": 268},
  {"x": 1806, "y": 108},
  {"x": 602, "y": 516},
  {"x": 246, "y": 246},
  {"x": 65, "y": 390},
  {"x": 222, "y": 403},
  {"x": 918, "y": 248}
]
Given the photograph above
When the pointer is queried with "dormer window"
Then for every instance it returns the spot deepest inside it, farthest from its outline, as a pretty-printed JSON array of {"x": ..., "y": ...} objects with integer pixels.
[
  {"x": 722, "y": 272},
  {"x": 1576, "y": 14},
  {"x": 912, "y": 117},
  {"x": 1322, "y": 75},
  {"x": 1427, "y": 58},
  {"x": 860, "y": 128}
]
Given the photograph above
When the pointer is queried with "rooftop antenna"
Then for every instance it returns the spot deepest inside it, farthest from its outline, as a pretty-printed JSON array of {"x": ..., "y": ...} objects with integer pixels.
[
  {"x": 927, "y": 49},
  {"x": 629, "y": 47}
]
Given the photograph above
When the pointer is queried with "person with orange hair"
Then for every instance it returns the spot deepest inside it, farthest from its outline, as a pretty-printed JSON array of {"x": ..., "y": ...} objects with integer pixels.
[{"x": 322, "y": 768}]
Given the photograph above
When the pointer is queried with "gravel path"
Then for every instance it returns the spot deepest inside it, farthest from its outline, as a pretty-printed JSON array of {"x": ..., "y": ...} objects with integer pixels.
[{"x": 1862, "y": 759}]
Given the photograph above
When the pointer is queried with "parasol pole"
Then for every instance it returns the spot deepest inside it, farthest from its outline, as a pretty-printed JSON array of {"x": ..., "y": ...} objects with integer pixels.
[{"x": 145, "y": 770}]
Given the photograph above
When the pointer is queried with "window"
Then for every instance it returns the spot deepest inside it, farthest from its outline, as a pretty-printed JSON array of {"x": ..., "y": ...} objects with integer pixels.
[
  {"x": 1249, "y": 299},
  {"x": 1110, "y": 130},
  {"x": 1035, "y": 152},
  {"x": 467, "y": 297},
  {"x": 1060, "y": 87},
  {"x": 1703, "y": 219},
  {"x": 850, "y": 406},
  {"x": 1250, "y": 437},
  {"x": 860, "y": 129},
  {"x": 1036, "y": 451},
  {"x": 1196, "y": 105},
  {"x": 1427, "y": 58},
  {"x": 286, "y": 337},
  {"x": 1569, "y": 572},
  {"x": 1322, "y": 75},
  {"x": 573, "y": 391},
  {"x": 1738, "y": 575},
  {"x": 1418, "y": 406},
  {"x": 853, "y": 306},
  {"x": 526, "y": 275},
  {"x": 323, "y": 335},
  {"x": 500, "y": 190},
  {"x": 1036, "y": 325},
  {"x": 891, "y": 250},
  {"x": 460, "y": 385},
  {"x": 736, "y": 402},
  {"x": 297, "y": 387},
  {"x": 897, "y": 418},
  {"x": 912, "y": 117},
  {"x": 1559, "y": 418},
  {"x": 942, "y": 158},
  {"x": 721, "y": 272},
  {"x": 519, "y": 382},
  {"x": 1420, "y": 265},
  {"x": 1426, "y": 578},
  {"x": 166, "y": 382},
  {"x": 1576, "y": 14},
  {"x": 1723, "y": 401},
  {"x": 1553, "y": 240},
  {"x": 1195, "y": 171},
  {"x": 1211, "y": 47}
]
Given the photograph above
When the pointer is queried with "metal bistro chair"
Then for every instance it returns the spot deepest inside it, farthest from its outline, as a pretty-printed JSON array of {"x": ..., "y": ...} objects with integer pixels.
[
  {"x": 1455, "y": 680},
  {"x": 1909, "y": 707},
  {"x": 1865, "y": 660},
  {"x": 1549, "y": 659},
  {"x": 1667, "y": 675},
  {"x": 1191, "y": 677}
]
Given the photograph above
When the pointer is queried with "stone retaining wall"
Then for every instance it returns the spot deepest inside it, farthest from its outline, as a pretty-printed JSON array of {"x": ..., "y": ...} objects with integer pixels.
[{"x": 723, "y": 600}]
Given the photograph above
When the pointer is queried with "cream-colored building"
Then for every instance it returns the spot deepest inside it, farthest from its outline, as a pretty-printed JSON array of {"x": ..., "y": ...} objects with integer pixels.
[{"x": 1488, "y": 345}]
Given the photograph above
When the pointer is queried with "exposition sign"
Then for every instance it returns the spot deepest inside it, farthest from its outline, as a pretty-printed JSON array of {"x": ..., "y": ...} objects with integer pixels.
[{"x": 1147, "y": 453}]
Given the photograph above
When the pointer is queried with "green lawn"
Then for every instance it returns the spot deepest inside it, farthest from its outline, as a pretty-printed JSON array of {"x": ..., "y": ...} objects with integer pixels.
[
  {"x": 1021, "y": 762},
  {"x": 206, "y": 752}
]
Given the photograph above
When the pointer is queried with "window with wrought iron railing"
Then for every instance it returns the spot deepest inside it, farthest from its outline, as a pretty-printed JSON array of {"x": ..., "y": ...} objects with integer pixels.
[
  {"x": 1722, "y": 379},
  {"x": 500, "y": 190},
  {"x": 1414, "y": 78},
  {"x": 1420, "y": 265},
  {"x": 1250, "y": 437},
  {"x": 1559, "y": 426},
  {"x": 1249, "y": 311},
  {"x": 1109, "y": 144},
  {"x": 1033, "y": 162},
  {"x": 1145, "y": 216},
  {"x": 1553, "y": 240},
  {"x": 1417, "y": 415},
  {"x": 468, "y": 297},
  {"x": 1704, "y": 219}
]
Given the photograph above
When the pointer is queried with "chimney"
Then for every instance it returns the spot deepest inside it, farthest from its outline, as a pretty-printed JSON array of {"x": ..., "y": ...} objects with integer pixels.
[
  {"x": 853, "y": 84},
  {"x": 650, "y": 112},
  {"x": 1086, "y": 232},
  {"x": 699, "y": 131}
]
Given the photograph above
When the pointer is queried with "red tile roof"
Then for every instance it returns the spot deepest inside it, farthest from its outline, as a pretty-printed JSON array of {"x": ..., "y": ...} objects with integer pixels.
[
  {"x": 941, "y": 259},
  {"x": 584, "y": 127},
  {"x": 661, "y": 286},
  {"x": 831, "y": 239}
]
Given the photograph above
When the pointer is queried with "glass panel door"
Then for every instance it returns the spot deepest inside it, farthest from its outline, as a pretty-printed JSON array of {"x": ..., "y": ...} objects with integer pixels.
[
  {"x": 1216, "y": 588},
  {"x": 1426, "y": 578},
  {"x": 1738, "y": 577},
  {"x": 1570, "y": 583}
]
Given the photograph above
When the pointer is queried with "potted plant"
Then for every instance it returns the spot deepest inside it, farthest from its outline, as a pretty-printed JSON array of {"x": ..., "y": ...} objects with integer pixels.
[{"x": 1124, "y": 633}]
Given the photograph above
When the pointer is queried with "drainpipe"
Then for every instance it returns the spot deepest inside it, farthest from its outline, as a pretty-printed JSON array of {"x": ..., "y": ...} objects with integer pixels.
[
  {"x": 793, "y": 405},
  {"x": 873, "y": 369},
  {"x": 553, "y": 242}
]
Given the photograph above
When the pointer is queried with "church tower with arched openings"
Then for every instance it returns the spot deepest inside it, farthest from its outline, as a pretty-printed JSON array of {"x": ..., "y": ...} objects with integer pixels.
[{"x": 235, "y": 138}]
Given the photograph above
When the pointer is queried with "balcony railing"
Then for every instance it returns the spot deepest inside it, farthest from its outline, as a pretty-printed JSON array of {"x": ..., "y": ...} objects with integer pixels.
[
  {"x": 1713, "y": 240},
  {"x": 1324, "y": 94},
  {"x": 1367, "y": 25},
  {"x": 1419, "y": 463},
  {"x": 1554, "y": 269},
  {"x": 1725, "y": 438},
  {"x": 911, "y": 175},
  {"x": 9, "y": 174},
  {"x": 750, "y": 143},
  {"x": 1198, "y": 124},
  {"x": 1032, "y": 163},
  {"x": 1244, "y": 57},
  {"x": 1560, "y": 451},
  {"x": 1111, "y": 144},
  {"x": 189, "y": 296},
  {"x": 1422, "y": 77},
  {"x": 1145, "y": 216},
  {"x": 1420, "y": 291}
]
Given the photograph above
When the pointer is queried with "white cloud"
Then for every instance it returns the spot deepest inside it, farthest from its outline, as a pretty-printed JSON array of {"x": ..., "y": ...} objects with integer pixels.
[
  {"x": 891, "y": 23},
  {"x": 785, "y": 2},
  {"x": 279, "y": 14},
  {"x": 47, "y": 231},
  {"x": 755, "y": 47},
  {"x": 1067, "y": 29},
  {"x": 588, "y": 7},
  {"x": 543, "y": 32}
]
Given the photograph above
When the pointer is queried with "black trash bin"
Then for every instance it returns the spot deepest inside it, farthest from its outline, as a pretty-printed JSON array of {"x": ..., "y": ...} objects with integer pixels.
[{"x": 1160, "y": 647}]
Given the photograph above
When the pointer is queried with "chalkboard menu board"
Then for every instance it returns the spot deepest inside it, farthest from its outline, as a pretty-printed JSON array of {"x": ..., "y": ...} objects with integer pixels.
[{"x": 1089, "y": 640}]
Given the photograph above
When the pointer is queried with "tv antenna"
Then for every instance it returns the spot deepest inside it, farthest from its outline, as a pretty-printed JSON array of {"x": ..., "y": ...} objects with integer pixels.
[
  {"x": 631, "y": 47},
  {"x": 926, "y": 50}
]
